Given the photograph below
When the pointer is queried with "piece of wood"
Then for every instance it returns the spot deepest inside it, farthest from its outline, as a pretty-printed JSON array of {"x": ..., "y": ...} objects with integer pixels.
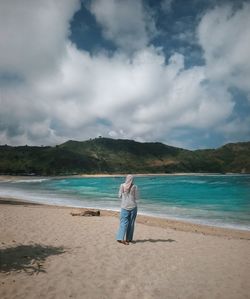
[{"x": 86, "y": 213}]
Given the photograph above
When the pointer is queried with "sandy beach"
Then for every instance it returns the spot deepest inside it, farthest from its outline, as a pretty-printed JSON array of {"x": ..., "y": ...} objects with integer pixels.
[{"x": 47, "y": 253}]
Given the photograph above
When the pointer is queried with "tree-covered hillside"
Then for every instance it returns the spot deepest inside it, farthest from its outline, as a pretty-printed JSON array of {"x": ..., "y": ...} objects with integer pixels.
[{"x": 105, "y": 155}]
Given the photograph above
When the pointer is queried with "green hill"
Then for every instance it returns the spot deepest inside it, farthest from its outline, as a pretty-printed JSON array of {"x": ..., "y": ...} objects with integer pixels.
[{"x": 105, "y": 155}]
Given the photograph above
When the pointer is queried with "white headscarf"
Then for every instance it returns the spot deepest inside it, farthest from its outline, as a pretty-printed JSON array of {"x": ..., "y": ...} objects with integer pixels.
[{"x": 128, "y": 183}]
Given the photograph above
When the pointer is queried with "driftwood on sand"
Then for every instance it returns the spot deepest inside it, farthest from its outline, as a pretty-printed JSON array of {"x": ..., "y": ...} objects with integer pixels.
[{"x": 86, "y": 213}]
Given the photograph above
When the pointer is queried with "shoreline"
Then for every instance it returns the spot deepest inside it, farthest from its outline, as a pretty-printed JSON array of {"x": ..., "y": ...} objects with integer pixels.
[
  {"x": 154, "y": 221},
  {"x": 104, "y": 175},
  {"x": 184, "y": 224},
  {"x": 187, "y": 221}
]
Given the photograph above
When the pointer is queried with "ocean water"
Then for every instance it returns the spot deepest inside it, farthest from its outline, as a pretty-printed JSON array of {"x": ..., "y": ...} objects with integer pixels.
[{"x": 218, "y": 200}]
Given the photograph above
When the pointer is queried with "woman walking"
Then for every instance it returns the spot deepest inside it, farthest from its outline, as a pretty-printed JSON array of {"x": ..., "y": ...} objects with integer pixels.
[{"x": 129, "y": 195}]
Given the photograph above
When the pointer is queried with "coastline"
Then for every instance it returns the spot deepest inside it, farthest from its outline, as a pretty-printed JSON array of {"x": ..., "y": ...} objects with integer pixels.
[
  {"x": 104, "y": 175},
  {"x": 156, "y": 219},
  {"x": 166, "y": 223}
]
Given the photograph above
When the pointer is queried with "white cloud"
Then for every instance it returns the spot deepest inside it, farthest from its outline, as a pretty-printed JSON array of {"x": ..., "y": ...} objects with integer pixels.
[
  {"x": 32, "y": 48},
  {"x": 224, "y": 35},
  {"x": 132, "y": 96},
  {"x": 236, "y": 128},
  {"x": 127, "y": 23},
  {"x": 70, "y": 94},
  {"x": 33, "y": 35}
]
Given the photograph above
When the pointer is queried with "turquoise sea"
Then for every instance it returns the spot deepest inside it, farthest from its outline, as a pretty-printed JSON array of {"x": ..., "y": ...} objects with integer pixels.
[{"x": 219, "y": 200}]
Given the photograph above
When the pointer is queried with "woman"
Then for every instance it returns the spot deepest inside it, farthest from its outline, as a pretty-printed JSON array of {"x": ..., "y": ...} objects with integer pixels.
[{"x": 129, "y": 195}]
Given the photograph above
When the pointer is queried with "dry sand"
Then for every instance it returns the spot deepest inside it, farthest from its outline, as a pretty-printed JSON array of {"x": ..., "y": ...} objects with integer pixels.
[{"x": 47, "y": 253}]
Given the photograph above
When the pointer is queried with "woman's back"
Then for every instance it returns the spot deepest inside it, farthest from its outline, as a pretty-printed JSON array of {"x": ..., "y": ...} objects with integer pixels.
[{"x": 128, "y": 197}]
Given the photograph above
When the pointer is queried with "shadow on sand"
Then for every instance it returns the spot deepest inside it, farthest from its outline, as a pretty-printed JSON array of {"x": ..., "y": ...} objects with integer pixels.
[
  {"x": 154, "y": 240},
  {"x": 27, "y": 258}
]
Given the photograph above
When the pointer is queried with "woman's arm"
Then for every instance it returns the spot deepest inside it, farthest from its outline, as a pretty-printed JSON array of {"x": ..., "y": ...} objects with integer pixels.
[
  {"x": 120, "y": 191},
  {"x": 136, "y": 193}
]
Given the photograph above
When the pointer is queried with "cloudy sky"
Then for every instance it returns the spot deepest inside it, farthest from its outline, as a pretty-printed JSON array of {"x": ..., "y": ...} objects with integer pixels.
[{"x": 175, "y": 71}]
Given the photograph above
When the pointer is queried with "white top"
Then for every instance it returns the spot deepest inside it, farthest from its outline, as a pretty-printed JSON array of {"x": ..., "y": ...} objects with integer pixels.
[{"x": 128, "y": 198}]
